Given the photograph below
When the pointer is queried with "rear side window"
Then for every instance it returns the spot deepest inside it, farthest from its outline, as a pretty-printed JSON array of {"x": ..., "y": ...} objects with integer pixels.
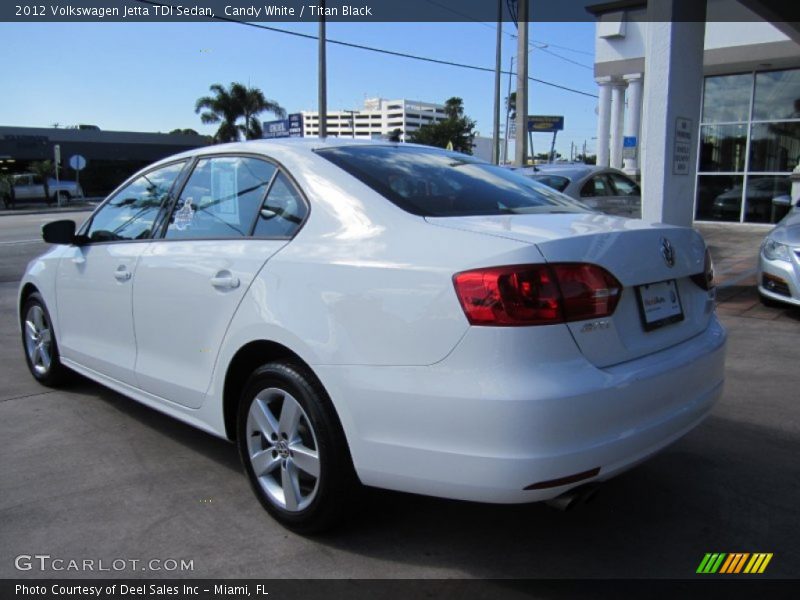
[
  {"x": 283, "y": 210},
  {"x": 221, "y": 198},
  {"x": 624, "y": 186},
  {"x": 436, "y": 183}
]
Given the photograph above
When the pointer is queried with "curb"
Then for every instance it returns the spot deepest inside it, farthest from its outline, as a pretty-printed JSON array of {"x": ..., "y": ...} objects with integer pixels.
[{"x": 46, "y": 211}]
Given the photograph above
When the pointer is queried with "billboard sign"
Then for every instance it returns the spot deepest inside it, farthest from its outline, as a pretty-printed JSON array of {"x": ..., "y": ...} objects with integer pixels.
[
  {"x": 545, "y": 123},
  {"x": 296, "y": 125},
  {"x": 283, "y": 128}
]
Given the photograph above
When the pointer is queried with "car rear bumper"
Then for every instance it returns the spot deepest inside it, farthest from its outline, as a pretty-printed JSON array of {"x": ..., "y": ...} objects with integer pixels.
[{"x": 500, "y": 414}]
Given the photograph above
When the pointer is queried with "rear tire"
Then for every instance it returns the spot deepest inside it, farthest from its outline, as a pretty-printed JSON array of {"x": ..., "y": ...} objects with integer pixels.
[
  {"x": 294, "y": 450},
  {"x": 40, "y": 345}
]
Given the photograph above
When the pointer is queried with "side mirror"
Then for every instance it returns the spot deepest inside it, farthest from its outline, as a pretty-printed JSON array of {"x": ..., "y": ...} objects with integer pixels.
[{"x": 59, "y": 232}]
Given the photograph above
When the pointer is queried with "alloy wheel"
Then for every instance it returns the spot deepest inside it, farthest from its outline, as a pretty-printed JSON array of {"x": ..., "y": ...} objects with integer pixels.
[
  {"x": 38, "y": 339},
  {"x": 282, "y": 449}
]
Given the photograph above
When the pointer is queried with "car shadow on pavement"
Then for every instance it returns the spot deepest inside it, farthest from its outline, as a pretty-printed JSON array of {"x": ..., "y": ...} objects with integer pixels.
[
  {"x": 220, "y": 451},
  {"x": 728, "y": 486}
]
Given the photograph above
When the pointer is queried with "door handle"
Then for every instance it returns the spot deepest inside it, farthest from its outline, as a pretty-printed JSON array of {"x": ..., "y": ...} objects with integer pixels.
[
  {"x": 122, "y": 273},
  {"x": 225, "y": 280}
]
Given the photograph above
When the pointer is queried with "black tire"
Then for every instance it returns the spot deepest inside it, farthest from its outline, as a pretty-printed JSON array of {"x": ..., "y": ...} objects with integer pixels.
[
  {"x": 55, "y": 374},
  {"x": 336, "y": 489}
]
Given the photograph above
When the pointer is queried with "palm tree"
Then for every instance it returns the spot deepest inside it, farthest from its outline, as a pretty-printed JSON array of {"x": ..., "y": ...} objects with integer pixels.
[
  {"x": 252, "y": 103},
  {"x": 226, "y": 106},
  {"x": 220, "y": 108}
]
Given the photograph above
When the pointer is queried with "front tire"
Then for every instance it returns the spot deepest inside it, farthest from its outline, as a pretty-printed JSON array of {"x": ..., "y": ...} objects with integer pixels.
[
  {"x": 293, "y": 448},
  {"x": 40, "y": 344}
]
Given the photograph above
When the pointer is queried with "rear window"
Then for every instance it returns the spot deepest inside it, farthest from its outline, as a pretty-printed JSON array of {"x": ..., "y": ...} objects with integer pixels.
[{"x": 436, "y": 183}]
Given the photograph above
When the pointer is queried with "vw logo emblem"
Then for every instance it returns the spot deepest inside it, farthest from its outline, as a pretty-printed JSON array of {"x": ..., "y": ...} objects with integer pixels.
[{"x": 668, "y": 252}]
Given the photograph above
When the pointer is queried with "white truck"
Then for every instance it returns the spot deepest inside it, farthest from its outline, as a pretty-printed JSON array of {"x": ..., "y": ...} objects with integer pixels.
[{"x": 28, "y": 186}]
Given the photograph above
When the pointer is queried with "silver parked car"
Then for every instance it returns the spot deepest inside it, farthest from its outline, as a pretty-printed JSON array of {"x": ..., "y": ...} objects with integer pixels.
[
  {"x": 779, "y": 263},
  {"x": 601, "y": 188}
]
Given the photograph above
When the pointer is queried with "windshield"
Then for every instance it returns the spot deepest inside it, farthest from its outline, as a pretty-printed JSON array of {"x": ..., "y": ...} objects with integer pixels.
[{"x": 435, "y": 183}]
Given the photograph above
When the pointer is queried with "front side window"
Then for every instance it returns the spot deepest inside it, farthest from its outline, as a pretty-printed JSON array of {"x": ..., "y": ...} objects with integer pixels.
[
  {"x": 435, "y": 183},
  {"x": 131, "y": 212},
  {"x": 221, "y": 198}
]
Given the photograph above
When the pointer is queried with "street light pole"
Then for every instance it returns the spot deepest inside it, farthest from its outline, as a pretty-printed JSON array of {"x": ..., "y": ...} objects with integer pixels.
[
  {"x": 497, "y": 55},
  {"x": 521, "y": 157},
  {"x": 322, "y": 99}
]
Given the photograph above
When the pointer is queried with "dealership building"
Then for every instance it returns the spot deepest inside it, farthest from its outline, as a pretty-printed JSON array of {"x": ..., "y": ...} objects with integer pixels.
[
  {"x": 111, "y": 156},
  {"x": 707, "y": 111}
]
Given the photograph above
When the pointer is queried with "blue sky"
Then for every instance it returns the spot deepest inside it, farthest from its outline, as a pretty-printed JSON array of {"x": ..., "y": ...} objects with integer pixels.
[{"x": 147, "y": 76}]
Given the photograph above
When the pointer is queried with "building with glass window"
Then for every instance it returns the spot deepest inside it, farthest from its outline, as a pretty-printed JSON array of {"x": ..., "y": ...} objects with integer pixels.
[
  {"x": 111, "y": 156},
  {"x": 379, "y": 118},
  {"x": 748, "y": 134}
]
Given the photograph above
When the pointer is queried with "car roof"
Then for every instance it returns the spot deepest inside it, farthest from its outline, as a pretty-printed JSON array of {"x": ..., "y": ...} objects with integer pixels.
[
  {"x": 575, "y": 171},
  {"x": 277, "y": 147}
]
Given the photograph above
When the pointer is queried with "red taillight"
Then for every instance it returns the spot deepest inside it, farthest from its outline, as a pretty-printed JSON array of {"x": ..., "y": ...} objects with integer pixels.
[
  {"x": 706, "y": 279},
  {"x": 536, "y": 294}
]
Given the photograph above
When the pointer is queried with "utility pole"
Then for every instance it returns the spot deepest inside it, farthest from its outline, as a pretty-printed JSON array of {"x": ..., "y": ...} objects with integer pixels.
[
  {"x": 497, "y": 56},
  {"x": 521, "y": 157},
  {"x": 322, "y": 99}
]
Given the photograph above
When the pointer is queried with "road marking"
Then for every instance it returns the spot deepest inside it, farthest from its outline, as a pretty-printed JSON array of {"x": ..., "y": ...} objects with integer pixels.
[{"x": 22, "y": 241}]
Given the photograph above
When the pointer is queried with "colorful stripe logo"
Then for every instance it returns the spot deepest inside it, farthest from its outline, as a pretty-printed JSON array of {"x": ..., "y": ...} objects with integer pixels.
[{"x": 734, "y": 563}]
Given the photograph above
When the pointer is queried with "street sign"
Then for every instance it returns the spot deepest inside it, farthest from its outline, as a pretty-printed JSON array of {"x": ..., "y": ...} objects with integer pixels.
[
  {"x": 682, "y": 146},
  {"x": 629, "y": 145},
  {"x": 512, "y": 130},
  {"x": 545, "y": 124},
  {"x": 77, "y": 162}
]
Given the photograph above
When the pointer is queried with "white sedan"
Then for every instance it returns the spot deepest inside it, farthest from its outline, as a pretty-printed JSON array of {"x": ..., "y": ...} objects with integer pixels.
[{"x": 382, "y": 314}]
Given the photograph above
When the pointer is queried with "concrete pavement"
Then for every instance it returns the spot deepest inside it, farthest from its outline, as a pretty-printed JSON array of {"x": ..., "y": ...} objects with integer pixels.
[{"x": 87, "y": 473}]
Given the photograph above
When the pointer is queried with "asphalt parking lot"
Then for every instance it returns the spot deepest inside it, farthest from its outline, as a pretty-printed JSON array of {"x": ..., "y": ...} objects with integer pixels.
[{"x": 88, "y": 474}]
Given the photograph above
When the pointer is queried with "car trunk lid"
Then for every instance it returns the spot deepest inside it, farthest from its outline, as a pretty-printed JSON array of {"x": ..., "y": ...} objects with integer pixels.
[{"x": 634, "y": 252}]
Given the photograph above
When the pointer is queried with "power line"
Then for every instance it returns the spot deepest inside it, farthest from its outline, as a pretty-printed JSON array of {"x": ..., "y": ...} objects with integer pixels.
[
  {"x": 533, "y": 44},
  {"x": 383, "y": 51}
]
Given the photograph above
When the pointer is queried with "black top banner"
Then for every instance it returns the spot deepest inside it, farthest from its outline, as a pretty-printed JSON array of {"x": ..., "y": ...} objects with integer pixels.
[{"x": 284, "y": 11}]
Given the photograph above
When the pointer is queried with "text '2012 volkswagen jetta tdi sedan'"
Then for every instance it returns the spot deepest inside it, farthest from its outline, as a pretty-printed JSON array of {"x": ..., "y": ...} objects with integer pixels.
[{"x": 383, "y": 314}]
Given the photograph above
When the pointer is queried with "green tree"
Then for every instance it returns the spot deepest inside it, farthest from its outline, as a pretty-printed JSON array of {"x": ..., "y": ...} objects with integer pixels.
[
  {"x": 253, "y": 102},
  {"x": 43, "y": 169},
  {"x": 187, "y": 131},
  {"x": 395, "y": 135},
  {"x": 7, "y": 189},
  {"x": 457, "y": 129},
  {"x": 227, "y": 105}
]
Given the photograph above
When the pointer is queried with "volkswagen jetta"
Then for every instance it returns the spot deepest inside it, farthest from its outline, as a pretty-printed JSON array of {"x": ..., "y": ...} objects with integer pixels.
[{"x": 382, "y": 314}]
